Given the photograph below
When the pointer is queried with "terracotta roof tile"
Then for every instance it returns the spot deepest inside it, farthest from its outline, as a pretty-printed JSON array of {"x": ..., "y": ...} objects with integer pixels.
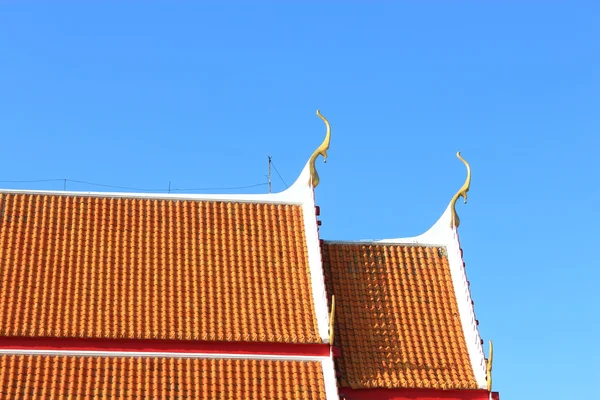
[
  {"x": 47, "y": 377},
  {"x": 77, "y": 266},
  {"x": 397, "y": 321}
]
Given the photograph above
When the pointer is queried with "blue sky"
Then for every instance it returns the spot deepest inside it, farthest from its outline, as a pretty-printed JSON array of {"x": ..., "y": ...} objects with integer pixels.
[{"x": 140, "y": 95}]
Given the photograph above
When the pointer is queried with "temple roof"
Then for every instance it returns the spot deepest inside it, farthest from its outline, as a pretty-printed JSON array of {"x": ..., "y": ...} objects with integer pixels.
[{"x": 102, "y": 281}]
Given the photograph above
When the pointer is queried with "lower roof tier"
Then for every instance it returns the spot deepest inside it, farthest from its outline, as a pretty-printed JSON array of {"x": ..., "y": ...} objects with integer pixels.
[
  {"x": 104, "y": 377},
  {"x": 397, "y": 321}
]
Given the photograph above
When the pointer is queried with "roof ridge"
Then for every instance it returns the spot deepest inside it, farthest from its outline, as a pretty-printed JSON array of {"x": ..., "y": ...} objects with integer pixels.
[
  {"x": 269, "y": 198},
  {"x": 295, "y": 194},
  {"x": 437, "y": 234},
  {"x": 384, "y": 242}
]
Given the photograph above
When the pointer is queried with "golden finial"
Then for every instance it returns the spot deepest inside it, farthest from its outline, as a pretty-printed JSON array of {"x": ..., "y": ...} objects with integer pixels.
[
  {"x": 488, "y": 365},
  {"x": 462, "y": 192},
  {"x": 331, "y": 320},
  {"x": 322, "y": 150}
]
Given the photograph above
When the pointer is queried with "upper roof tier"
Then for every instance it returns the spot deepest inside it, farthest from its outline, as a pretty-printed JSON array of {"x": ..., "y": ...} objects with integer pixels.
[
  {"x": 147, "y": 266},
  {"x": 163, "y": 269}
]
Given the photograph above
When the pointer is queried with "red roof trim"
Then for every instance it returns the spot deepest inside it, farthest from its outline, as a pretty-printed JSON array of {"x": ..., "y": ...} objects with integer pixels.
[
  {"x": 166, "y": 346},
  {"x": 416, "y": 394}
]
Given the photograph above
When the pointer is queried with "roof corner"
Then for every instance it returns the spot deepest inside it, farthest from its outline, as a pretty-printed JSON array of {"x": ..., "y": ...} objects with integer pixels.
[
  {"x": 467, "y": 310},
  {"x": 309, "y": 177},
  {"x": 442, "y": 231}
]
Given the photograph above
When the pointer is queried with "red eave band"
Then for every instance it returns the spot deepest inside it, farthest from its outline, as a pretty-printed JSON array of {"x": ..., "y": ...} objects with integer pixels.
[
  {"x": 165, "y": 346},
  {"x": 415, "y": 394}
]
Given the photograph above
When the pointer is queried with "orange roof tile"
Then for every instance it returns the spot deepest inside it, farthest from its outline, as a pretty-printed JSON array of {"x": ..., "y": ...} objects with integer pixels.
[
  {"x": 397, "y": 320},
  {"x": 100, "y": 267},
  {"x": 47, "y": 377}
]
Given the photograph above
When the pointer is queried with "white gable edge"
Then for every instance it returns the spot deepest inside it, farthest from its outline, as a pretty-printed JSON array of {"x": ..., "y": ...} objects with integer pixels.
[
  {"x": 443, "y": 234},
  {"x": 313, "y": 247},
  {"x": 330, "y": 378}
]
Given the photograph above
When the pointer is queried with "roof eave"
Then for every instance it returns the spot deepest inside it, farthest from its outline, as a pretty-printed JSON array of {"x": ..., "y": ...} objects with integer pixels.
[{"x": 420, "y": 394}]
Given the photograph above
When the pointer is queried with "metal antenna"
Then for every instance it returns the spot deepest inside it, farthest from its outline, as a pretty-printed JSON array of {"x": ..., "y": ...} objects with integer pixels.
[{"x": 269, "y": 174}]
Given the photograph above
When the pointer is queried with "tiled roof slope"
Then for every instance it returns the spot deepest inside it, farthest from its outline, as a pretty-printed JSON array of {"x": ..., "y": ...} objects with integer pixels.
[
  {"x": 397, "y": 320},
  {"x": 62, "y": 377},
  {"x": 102, "y": 267}
]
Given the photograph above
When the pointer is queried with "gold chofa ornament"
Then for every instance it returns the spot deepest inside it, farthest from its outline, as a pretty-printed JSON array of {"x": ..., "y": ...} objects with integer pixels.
[
  {"x": 462, "y": 192},
  {"x": 322, "y": 150},
  {"x": 488, "y": 367}
]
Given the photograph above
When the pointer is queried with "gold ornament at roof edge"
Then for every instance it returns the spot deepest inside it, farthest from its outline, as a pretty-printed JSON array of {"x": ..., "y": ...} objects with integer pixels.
[
  {"x": 488, "y": 366},
  {"x": 461, "y": 193},
  {"x": 322, "y": 150},
  {"x": 331, "y": 320}
]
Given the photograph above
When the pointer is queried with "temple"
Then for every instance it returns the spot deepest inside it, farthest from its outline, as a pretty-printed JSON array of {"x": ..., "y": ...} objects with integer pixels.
[{"x": 186, "y": 296}]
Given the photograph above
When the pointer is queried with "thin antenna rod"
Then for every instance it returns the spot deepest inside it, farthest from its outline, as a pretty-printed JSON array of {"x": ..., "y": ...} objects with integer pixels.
[
  {"x": 269, "y": 174},
  {"x": 169, "y": 186}
]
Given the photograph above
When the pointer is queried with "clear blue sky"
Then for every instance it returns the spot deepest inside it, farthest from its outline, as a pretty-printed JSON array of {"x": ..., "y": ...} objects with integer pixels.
[{"x": 138, "y": 95}]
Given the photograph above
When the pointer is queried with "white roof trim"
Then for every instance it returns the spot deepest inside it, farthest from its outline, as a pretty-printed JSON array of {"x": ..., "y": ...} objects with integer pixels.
[
  {"x": 268, "y": 198},
  {"x": 292, "y": 195},
  {"x": 376, "y": 242},
  {"x": 444, "y": 234},
  {"x": 313, "y": 246},
  {"x": 98, "y": 353},
  {"x": 437, "y": 235},
  {"x": 330, "y": 379},
  {"x": 466, "y": 310}
]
